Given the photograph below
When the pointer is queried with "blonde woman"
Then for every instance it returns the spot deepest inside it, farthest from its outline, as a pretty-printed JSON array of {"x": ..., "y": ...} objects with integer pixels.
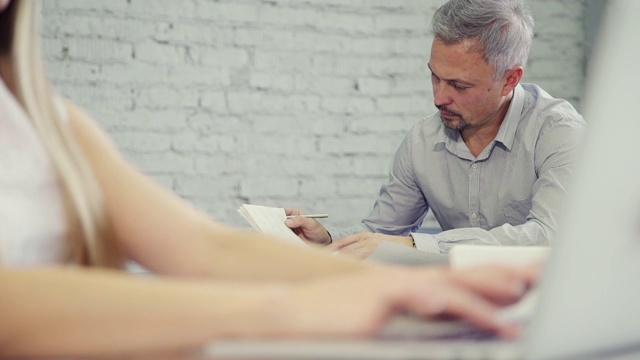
[{"x": 72, "y": 210}]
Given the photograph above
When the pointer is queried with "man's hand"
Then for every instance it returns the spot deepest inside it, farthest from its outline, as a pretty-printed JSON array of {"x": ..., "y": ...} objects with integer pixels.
[
  {"x": 361, "y": 245},
  {"x": 307, "y": 229}
]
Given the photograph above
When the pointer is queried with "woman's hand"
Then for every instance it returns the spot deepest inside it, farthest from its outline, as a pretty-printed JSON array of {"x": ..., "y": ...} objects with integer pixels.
[{"x": 360, "y": 305}]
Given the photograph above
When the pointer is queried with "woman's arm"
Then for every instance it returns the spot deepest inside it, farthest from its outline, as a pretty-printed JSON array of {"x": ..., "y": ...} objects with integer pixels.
[
  {"x": 60, "y": 312},
  {"x": 57, "y": 312},
  {"x": 167, "y": 235}
]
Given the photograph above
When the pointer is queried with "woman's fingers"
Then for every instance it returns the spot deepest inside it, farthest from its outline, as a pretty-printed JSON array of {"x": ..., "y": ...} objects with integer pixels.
[{"x": 500, "y": 284}]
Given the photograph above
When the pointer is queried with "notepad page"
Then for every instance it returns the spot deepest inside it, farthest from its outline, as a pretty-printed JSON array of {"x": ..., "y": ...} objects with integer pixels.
[
  {"x": 245, "y": 214},
  {"x": 270, "y": 221},
  {"x": 466, "y": 256}
]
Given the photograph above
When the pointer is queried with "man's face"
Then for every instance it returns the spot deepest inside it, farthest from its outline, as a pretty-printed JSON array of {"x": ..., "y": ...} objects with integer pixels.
[{"x": 463, "y": 87}]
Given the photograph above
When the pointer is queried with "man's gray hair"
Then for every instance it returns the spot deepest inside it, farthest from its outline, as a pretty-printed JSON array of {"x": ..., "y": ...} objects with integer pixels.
[{"x": 502, "y": 30}]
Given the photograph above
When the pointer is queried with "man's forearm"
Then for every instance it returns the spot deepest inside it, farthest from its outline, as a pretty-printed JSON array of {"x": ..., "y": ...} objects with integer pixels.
[
  {"x": 337, "y": 233},
  {"x": 527, "y": 234}
]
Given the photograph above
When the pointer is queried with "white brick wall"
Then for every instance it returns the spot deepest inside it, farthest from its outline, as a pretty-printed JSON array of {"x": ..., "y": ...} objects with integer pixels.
[{"x": 275, "y": 102}]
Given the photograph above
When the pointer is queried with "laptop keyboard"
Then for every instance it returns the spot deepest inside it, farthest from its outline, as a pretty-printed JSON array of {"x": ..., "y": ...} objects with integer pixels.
[{"x": 415, "y": 329}]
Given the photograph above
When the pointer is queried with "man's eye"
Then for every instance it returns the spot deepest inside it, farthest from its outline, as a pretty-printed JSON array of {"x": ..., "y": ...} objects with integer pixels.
[{"x": 458, "y": 87}]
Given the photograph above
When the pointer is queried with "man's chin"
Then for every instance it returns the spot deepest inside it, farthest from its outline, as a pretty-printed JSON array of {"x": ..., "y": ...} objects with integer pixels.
[{"x": 453, "y": 124}]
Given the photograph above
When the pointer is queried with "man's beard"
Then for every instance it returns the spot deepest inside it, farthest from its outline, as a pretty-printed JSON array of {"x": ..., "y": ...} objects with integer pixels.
[{"x": 456, "y": 123}]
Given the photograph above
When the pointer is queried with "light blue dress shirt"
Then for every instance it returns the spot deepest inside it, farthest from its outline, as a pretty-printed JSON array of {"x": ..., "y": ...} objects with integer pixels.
[{"x": 510, "y": 194}]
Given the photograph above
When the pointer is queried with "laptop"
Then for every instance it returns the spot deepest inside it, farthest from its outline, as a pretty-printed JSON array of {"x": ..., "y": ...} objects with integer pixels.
[{"x": 589, "y": 306}]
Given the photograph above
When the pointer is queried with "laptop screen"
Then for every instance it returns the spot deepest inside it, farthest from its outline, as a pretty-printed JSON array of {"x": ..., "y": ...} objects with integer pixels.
[{"x": 590, "y": 301}]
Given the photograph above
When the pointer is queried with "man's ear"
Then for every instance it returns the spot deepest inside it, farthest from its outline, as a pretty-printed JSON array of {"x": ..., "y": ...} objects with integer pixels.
[{"x": 511, "y": 79}]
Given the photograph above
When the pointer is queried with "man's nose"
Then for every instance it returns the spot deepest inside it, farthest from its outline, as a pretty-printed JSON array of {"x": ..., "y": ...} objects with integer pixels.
[{"x": 441, "y": 94}]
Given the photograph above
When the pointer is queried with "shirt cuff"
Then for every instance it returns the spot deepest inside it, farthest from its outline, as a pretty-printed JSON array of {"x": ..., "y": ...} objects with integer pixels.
[
  {"x": 426, "y": 242},
  {"x": 335, "y": 234}
]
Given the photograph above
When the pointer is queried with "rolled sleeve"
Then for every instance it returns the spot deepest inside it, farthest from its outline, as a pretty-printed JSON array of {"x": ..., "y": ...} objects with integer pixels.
[{"x": 425, "y": 242}]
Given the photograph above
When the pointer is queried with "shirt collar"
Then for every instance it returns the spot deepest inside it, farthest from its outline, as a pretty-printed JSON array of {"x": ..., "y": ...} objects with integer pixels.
[{"x": 506, "y": 134}]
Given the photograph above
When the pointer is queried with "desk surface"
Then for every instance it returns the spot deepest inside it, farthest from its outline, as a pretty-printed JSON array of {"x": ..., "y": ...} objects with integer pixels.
[
  {"x": 405, "y": 338},
  {"x": 426, "y": 352}
]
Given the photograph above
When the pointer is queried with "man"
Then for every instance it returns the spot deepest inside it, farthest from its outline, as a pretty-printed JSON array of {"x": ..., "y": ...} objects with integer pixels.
[{"x": 493, "y": 164}]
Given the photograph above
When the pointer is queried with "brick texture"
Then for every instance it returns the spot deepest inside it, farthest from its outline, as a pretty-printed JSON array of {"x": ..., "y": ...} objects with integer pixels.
[{"x": 274, "y": 102}]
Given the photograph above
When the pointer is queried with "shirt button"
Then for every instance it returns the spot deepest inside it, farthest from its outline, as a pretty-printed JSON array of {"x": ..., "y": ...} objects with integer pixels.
[
  {"x": 474, "y": 165},
  {"x": 474, "y": 216}
]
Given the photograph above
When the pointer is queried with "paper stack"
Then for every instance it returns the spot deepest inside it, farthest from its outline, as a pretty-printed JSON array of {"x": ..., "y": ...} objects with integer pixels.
[{"x": 270, "y": 221}]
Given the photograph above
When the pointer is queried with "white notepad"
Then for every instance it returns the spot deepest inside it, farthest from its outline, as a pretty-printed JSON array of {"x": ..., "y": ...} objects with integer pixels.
[
  {"x": 269, "y": 221},
  {"x": 465, "y": 256}
]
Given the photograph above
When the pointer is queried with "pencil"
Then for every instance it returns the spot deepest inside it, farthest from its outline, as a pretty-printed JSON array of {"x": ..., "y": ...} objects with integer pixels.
[{"x": 310, "y": 216}]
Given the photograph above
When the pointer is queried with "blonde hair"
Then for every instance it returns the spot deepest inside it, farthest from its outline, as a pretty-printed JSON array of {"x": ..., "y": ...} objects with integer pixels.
[{"x": 89, "y": 233}]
